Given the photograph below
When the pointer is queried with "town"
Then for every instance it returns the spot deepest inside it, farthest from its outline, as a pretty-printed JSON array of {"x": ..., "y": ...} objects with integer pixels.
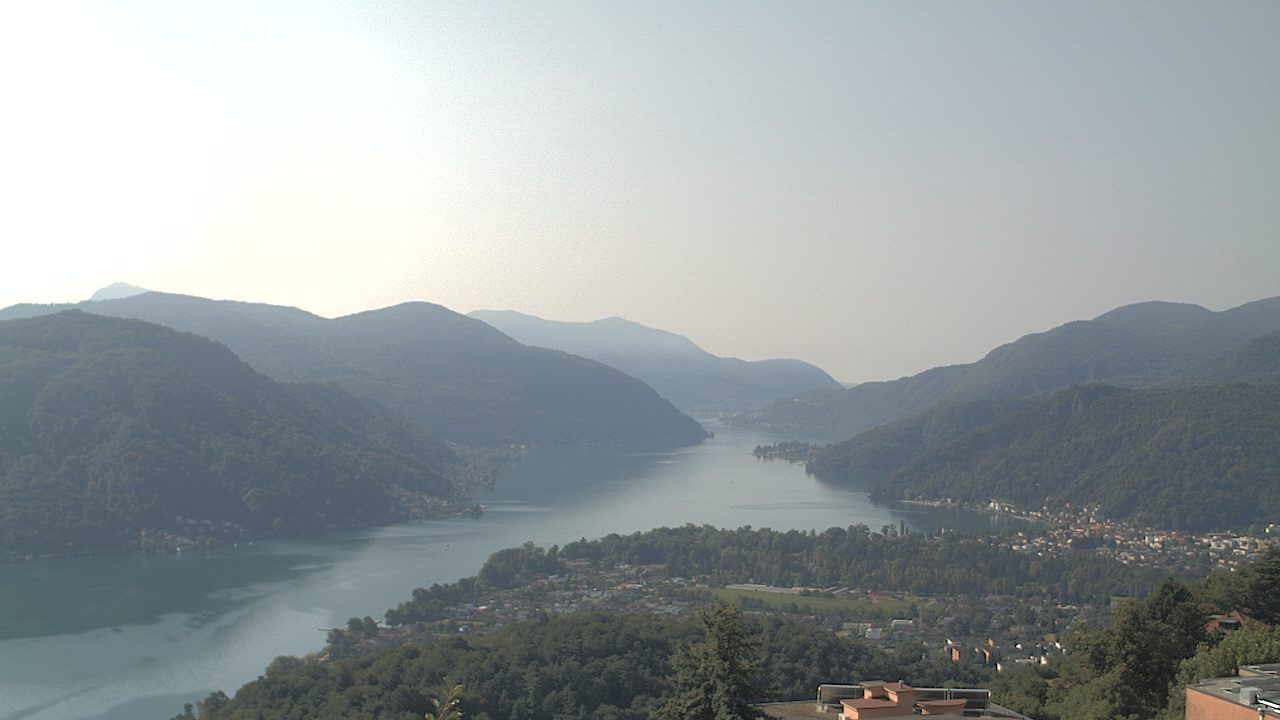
[{"x": 1180, "y": 552}]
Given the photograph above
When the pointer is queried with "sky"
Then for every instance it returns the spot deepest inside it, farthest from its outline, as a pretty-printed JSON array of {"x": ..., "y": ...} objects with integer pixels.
[{"x": 875, "y": 187}]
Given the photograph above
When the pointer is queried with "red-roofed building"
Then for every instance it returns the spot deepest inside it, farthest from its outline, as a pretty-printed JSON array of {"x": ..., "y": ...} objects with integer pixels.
[{"x": 879, "y": 699}]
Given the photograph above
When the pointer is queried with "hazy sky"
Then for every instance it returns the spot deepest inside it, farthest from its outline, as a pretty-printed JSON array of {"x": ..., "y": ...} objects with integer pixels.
[{"x": 875, "y": 187}]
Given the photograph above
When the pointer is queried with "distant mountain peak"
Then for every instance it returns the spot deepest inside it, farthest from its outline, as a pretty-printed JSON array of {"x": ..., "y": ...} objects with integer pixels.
[
  {"x": 461, "y": 379},
  {"x": 674, "y": 365},
  {"x": 117, "y": 290},
  {"x": 1154, "y": 312},
  {"x": 1138, "y": 345}
]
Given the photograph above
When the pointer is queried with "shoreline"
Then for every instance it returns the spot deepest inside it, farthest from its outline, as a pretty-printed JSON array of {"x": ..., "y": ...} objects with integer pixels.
[
  {"x": 1016, "y": 515},
  {"x": 157, "y": 541}
]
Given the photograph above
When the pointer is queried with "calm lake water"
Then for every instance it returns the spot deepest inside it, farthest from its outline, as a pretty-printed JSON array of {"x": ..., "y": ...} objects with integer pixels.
[{"x": 135, "y": 637}]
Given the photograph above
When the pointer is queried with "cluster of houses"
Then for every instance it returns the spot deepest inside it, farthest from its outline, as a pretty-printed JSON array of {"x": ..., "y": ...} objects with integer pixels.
[
  {"x": 1079, "y": 528},
  {"x": 990, "y": 654}
]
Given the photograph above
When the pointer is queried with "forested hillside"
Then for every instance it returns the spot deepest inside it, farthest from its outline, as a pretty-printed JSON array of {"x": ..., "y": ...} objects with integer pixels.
[
  {"x": 950, "y": 564},
  {"x": 114, "y": 429},
  {"x": 1199, "y": 458},
  {"x": 1256, "y": 362},
  {"x": 872, "y": 455},
  {"x": 1133, "y": 346},
  {"x": 459, "y": 378},
  {"x": 690, "y": 377},
  {"x": 586, "y": 665}
]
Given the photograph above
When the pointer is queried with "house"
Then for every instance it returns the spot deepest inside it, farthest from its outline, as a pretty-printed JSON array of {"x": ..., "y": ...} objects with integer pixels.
[{"x": 1222, "y": 624}]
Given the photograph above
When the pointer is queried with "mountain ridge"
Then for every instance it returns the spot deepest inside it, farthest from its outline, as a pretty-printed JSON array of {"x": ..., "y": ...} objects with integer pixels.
[
  {"x": 681, "y": 371},
  {"x": 1136, "y": 345},
  {"x": 457, "y": 377}
]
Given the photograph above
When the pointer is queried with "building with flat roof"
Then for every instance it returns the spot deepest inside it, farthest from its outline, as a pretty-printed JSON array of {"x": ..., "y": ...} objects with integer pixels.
[
  {"x": 879, "y": 699},
  {"x": 1254, "y": 694}
]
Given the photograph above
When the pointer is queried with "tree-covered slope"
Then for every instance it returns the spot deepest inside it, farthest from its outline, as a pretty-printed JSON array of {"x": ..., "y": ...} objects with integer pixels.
[
  {"x": 880, "y": 451},
  {"x": 112, "y": 427},
  {"x": 1199, "y": 458},
  {"x": 1133, "y": 346},
  {"x": 615, "y": 666},
  {"x": 690, "y": 377},
  {"x": 1256, "y": 362},
  {"x": 458, "y": 377}
]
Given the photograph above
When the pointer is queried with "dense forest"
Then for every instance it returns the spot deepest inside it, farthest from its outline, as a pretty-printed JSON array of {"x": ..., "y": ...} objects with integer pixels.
[
  {"x": 112, "y": 431},
  {"x": 690, "y": 377},
  {"x": 1198, "y": 458},
  {"x": 1133, "y": 346},
  {"x": 946, "y": 564},
  {"x": 589, "y": 665},
  {"x": 1256, "y": 362},
  {"x": 879, "y": 452},
  {"x": 624, "y": 666},
  {"x": 457, "y": 377}
]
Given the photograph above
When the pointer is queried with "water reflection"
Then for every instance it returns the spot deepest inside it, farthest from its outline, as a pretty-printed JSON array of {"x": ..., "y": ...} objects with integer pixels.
[
  {"x": 73, "y": 595},
  {"x": 122, "y": 637}
]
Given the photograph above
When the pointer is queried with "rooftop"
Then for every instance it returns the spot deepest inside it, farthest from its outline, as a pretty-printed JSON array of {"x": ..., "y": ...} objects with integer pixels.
[
  {"x": 1257, "y": 687},
  {"x": 976, "y": 702}
]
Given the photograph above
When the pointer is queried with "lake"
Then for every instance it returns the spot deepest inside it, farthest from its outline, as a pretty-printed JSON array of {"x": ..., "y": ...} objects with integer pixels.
[{"x": 132, "y": 637}]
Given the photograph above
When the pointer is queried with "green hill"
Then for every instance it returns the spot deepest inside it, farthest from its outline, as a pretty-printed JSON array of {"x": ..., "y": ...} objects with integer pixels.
[
  {"x": 1200, "y": 458},
  {"x": 693, "y": 379},
  {"x": 881, "y": 451},
  {"x": 112, "y": 427},
  {"x": 1256, "y": 362},
  {"x": 1133, "y": 346},
  {"x": 458, "y": 377}
]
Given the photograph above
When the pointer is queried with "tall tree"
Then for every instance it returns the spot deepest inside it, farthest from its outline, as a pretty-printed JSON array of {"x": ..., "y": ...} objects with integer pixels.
[
  {"x": 446, "y": 707},
  {"x": 716, "y": 677},
  {"x": 1125, "y": 669},
  {"x": 1262, "y": 590}
]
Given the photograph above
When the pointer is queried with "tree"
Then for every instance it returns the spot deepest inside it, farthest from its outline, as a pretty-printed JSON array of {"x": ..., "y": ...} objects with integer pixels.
[
  {"x": 1262, "y": 591},
  {"x": 1125, "y": 669},
  {"x": 339, "y": 644},
  {"x": 715, "y": 677},
  {"x": 1245, "y": 646},
  {"x": 446, "y": 706}
]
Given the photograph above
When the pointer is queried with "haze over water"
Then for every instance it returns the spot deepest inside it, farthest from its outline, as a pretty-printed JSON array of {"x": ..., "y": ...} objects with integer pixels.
[{"x": 136, "y": 637}]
